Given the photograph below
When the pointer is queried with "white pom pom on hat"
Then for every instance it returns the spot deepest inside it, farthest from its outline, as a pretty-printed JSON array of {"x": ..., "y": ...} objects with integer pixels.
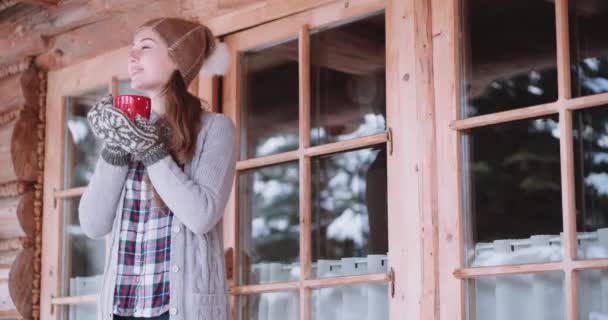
[{"x": 218, "y": 62}]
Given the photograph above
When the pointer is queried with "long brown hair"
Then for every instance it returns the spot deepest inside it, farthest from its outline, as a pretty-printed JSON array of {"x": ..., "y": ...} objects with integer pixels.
[{"x": 182, "y": 118}]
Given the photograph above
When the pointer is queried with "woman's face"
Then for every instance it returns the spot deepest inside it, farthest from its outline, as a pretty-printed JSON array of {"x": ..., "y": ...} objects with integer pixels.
[{"x": 150, "y": 66}]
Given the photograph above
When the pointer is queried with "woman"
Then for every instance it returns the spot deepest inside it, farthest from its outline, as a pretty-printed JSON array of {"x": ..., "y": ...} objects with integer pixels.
[{"x": 161, "y": 185}]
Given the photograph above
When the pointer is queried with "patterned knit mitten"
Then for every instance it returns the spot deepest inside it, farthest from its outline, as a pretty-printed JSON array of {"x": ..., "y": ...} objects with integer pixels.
[
  {"x": 141, "y": 138},
  {"x": 111, "y": 152}
]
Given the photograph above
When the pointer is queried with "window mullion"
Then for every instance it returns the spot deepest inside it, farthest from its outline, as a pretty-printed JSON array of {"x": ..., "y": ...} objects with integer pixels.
[{"x": 305, "y": 172}]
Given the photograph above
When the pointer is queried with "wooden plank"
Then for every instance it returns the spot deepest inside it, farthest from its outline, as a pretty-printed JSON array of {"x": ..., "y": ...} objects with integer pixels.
[
  {"x": 67, "y": 49},
  {"x": 46, "y": 3},
  {"x": 5, "y": 4},
  {"x": 312, "y": 283},
  {"x": 16, "y": 68},
  {"x": 70, "y": 193},
  {"x": 75, "y": 300},
  {"x": 562, "y": 32},
  {"x": 531, "y": 112},
  {"x": 20, "y": 90},
  {"x": 281, "y": 30},
  {"x": 568, "y": 210},
  {"x": 17, "y": 216},
  {"x": 405, "y": 221},
  {"x": 21, "y": 280},
  {"x": 267, "y": 160},
  {"x": 14, "y": 48},
  {"x": 471, "y": 273},
  {"x": 342, "y": 146},
  {"x": 18, "y": 149},
  {"x": 305, "y": 183},
  {"x": 11, "y": 244},
  {"x": 447, "y": 95},
  {"x": 256, "y": 13},
  {"x": 14, "y": 188},
  {"x": 231, "y": 221}
]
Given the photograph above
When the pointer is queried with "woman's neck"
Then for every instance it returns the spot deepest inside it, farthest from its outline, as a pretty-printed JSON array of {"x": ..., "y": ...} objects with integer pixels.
[{"x": 158, "y": 103}]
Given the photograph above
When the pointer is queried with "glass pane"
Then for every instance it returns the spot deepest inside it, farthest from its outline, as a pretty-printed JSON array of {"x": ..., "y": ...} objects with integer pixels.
[
  {"x": 512, "y": 189},
  {"x": 349, "y": 212},
  {"x": 352, "y": 302},
  {"x": 589, "y": 53},
  {"x": 269, "y": 232},
  {"x": 269, "y": 100},
  {"x": 83, "y": 257},
  {"x": 269, "y": 306},
  {"x": 78, "y": 312},
  {"x": 509, "y": 55},
  {"x": 82, "y": 148},
  {"x": 521, "y": 297},
  {"x": 348, "y": 94},
  {"x": 593, "y": 294},
  {"x": 590, "y": 130}
]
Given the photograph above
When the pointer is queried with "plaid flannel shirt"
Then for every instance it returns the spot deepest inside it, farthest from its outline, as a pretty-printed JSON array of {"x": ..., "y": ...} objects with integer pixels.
[{"x": 142, "y": 284}]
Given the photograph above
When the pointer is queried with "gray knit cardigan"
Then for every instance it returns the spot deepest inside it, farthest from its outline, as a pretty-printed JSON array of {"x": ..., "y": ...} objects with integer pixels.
[{"x": 197, "y": 197}]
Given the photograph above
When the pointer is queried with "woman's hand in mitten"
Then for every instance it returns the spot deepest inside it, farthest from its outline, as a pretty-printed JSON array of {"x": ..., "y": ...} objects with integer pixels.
[
  {"x": 141, "y": 138},
  {"x": 111, "y": 152}
]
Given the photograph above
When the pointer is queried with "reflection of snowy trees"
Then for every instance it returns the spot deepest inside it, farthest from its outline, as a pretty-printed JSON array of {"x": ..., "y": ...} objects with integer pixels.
[
  {"x": 515, "y": 189},
  {"x": 339, "y": 209}
]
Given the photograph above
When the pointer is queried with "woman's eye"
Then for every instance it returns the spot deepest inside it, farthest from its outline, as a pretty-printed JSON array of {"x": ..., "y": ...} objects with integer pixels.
[{"x": 145, "y": 47}]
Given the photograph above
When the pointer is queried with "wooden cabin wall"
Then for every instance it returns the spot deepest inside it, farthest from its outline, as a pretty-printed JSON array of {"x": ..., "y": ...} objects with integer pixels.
[{"x": 21, "y": 156}]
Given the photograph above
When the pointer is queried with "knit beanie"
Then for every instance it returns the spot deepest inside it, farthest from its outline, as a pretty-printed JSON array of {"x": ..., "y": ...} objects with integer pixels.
[{"x": 191, "y": 46}]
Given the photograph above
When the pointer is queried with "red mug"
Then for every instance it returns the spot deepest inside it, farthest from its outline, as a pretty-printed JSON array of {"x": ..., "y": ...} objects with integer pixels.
[{"x": 133, "y": 105}]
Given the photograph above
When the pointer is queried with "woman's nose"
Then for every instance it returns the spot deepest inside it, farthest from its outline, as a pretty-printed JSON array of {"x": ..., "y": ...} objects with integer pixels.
[{"x": 133, "y": 55}]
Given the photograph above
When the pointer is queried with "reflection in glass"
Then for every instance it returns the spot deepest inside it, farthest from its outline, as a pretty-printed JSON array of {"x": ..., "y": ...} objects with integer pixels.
[
  {"x": 509, "y": 55},
  {"x": 269, "y": 232},
  {"x": 349, "y": 212},
  {"x": 348, "y": 85},
  {"x": 269, "y": 100},
  {"x": 590, "y": 130},
  {"x": 283, "y": 305},
  {"x": 588, "y": 51},
  {"x": 78, "y": 311},
  {"x": 353, "y": 302},
  {"x": 522, "y": 297},
  {"x": 82, "y": 148},
  {"x": 83, "y": 257},
  {"x": 593, "y": 294},
  {"x": 512, "y": 188}
]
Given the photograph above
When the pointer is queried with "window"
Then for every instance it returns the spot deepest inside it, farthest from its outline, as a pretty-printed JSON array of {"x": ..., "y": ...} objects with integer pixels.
[
  {"x": 308, "y": 95},
  {"x": 526, "y": 129}
]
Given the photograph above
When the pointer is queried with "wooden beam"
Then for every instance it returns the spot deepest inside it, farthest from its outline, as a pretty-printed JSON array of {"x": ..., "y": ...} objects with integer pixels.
[
  {"x": 84, "y": 43},
  {"x": 17, "y": 217},
  {"x": 5, "y": 4},
  {"x": 46, "y": 3},
  {"x": 20, "y": 280},
  {"x": 250, "y": 15}
]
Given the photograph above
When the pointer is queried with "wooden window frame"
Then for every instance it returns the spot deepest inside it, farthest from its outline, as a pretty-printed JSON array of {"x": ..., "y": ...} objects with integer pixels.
[
  {"x": 450, "y": 127},
  {"x": 412, "y": 245}
]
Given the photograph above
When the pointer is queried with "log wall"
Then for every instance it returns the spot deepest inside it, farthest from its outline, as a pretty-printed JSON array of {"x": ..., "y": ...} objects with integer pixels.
[{"x": 21, "y": 156}]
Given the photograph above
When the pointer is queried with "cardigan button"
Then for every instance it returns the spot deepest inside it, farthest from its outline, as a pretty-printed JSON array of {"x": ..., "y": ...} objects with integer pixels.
[
  {"x": 176, "y": 229},
  {"x": 173, "y": 311},
  {"x": 175, "y": 269}
]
